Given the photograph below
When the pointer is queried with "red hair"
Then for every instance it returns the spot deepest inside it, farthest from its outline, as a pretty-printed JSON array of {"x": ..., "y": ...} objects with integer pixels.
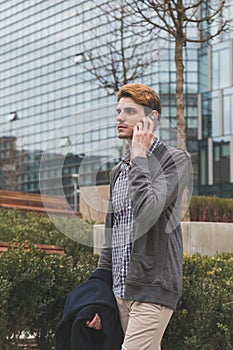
[{"x": 142, "y": 95}]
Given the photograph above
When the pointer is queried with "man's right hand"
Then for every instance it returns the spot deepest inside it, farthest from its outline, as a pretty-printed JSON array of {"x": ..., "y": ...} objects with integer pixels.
[{"x": 95, "y": 322}]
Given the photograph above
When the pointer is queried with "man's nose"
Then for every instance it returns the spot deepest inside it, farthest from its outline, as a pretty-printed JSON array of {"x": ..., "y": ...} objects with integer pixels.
[{"x": 120, "y": 117}]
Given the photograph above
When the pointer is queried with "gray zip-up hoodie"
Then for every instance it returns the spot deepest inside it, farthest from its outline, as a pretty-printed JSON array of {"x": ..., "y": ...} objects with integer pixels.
[{"x": 159, "y": 188}]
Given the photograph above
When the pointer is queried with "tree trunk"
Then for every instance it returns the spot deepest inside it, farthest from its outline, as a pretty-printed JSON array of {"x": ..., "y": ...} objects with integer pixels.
[
  {"x": 181, "y": 129},
  {"x": 181, "y": 132}
]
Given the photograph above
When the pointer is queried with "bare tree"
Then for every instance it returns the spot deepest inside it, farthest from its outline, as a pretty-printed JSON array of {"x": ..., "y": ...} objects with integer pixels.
[
  {"x": 172, "y": 18},
  {"x": 122, "y": 53}
]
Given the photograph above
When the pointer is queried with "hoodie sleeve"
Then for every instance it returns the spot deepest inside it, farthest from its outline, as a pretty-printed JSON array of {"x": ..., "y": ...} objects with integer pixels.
[{"x": 158, "y": 185}]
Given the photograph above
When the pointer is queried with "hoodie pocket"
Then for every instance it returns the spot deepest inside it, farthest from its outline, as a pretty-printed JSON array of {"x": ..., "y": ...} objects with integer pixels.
[{"x": 143, "y": 269}]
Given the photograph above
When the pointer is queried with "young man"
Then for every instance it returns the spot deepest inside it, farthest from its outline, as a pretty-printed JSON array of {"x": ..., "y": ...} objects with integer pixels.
[{"x": 143, "y": 241}]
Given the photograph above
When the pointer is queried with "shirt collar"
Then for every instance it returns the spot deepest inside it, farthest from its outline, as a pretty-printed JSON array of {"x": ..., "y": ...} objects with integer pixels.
[{"x": 154, "y": 145}]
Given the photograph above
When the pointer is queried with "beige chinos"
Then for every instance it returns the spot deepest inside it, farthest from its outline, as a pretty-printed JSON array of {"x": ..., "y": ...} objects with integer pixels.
[{"x": 143, "y": 324}]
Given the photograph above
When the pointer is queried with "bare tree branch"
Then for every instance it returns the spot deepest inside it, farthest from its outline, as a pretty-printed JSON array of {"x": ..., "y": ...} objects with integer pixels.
[
  {"x": 118, "y": 59},
  {"x": 173, "y": 18}
]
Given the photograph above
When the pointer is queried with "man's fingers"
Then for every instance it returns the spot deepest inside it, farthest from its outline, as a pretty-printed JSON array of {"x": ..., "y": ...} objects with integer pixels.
[
  {"x": 138, "y": 126},
  {"x": 145, "y": 124},
  {"x": 95, "y": 322}
]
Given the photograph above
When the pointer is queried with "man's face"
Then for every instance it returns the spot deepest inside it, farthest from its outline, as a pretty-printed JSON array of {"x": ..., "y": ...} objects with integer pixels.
[{"x": 129, "y": 114}]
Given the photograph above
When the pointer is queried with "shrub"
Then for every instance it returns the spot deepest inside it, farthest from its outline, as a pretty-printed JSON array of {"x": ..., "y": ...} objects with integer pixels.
[
  {"x": 204, "y": 317},
  {"x": 33, "y": 287},
  {"x": 212, "y": 209},
  {"x": 64, "y": 231}
]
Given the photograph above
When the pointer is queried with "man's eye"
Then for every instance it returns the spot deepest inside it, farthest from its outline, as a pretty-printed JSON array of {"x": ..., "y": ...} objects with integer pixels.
[{"x": 130, "y": 111}]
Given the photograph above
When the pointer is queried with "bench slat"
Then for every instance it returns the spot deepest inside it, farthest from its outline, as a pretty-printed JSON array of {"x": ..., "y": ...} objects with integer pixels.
[{"x": 48, "y": 248}]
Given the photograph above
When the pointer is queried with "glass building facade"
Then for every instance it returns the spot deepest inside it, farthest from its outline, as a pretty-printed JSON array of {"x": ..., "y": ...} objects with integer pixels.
[
  {"x": 216, "y": 120},
  {"x": 55, "y": 119}
]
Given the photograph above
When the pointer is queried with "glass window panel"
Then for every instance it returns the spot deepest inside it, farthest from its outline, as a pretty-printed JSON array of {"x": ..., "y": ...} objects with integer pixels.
[
  {"x": 224, "y": 64},
  {"x": 217, "y": 153},
  {"x": 215, "y": 117},
  {"x": 228, "y": 114},
  {"x": 221, "y": 162},
  {"x": 215, "y": 71},
  {"x": 203, "y": 170}
]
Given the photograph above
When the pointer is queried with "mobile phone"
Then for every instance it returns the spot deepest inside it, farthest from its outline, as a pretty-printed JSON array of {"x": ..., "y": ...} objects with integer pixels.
[{"x": 154, "y": 120}]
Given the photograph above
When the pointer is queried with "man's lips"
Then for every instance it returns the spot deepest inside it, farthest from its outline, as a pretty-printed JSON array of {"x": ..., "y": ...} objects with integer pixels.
[{"x": 121, "y": 126}]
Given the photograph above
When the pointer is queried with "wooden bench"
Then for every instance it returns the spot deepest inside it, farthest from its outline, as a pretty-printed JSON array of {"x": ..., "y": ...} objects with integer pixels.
[
  {"x": 47, "y": 248},
  {"x": 34, "y": 202}
]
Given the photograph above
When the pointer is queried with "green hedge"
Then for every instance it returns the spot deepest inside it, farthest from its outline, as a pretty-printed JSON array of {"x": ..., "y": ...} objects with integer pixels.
[
  {"x": 33, "y": 288},
  {"x": 40, "y": 229},
  {"x": 34, "y": 285},
  {"x": 204, "y": 317},
  {"x": 211, "y": 209}
]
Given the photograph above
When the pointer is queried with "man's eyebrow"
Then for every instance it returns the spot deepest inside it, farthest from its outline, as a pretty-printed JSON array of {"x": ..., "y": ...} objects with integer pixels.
[
  {"x": 130, "y": 107},
  {"x": 126, "y": 107}
]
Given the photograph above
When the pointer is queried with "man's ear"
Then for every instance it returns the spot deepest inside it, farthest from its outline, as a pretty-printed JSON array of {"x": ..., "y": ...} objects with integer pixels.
[{"x": 155, "y": 114}]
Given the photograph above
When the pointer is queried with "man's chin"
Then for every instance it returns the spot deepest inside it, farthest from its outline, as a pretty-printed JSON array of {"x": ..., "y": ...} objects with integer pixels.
[{"x": 124, "y": 137}]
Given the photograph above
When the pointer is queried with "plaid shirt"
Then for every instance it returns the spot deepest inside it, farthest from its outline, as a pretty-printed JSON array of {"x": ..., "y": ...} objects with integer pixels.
[{"x": 123, "y": 225}]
